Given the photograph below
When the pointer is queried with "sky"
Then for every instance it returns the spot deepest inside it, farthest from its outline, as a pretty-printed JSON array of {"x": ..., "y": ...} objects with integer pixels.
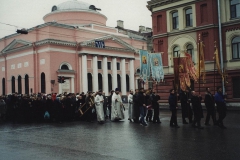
[{"x": 29, "y": 13}]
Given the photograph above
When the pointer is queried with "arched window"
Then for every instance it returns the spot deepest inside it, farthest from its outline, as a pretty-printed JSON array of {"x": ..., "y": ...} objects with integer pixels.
[
  {"x": 175, "y": 20},
  {"x": 109, "y": 82},
  {"x": 13, "y": 84},
  {"x": 26, "y": 84},
  {"x": 64, "y": 67},
  {"x": 138, "y": 71},
  {"x": 127, "y": 83},
  {"x": 189, "y": 19},
  {"x": 54, "y": 8},
  {"x": 236, "y": 48},
  {"x": 235, "y": 8},
  {"x": 176, "y": 51},
  {"x": 100, "y": 85},
  {"x": 89, "y": 77},
  {"x": 3, "y": 86},
  {"x": 119, "y": 82},
  {"x": 19, "y": 85},
  {"x": 43, "y": 83},
  {"x": 190, "y": 50}
]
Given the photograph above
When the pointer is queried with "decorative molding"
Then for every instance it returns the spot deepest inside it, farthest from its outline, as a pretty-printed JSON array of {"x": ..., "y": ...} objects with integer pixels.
[
  {"x": 57, "y": 42},
  {"x": 66, "y": 71},
  {"x": 10, "y": 47},
  {"x": 91, "y": 43}
]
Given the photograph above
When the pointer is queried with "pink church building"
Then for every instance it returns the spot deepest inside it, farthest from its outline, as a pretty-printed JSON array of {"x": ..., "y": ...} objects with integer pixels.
[{"x": 73, "y": 42}]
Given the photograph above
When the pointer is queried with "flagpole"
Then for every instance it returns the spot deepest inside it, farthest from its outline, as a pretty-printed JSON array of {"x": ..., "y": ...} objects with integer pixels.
[
  {"x": 214, "y": 71},
  {"x": 199, "y": 64}
]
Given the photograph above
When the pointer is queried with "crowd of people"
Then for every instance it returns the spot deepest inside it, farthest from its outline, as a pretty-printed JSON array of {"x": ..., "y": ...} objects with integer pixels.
[
  {"x": 192, "y": 109},
  {"x": 143, "y": 107}
]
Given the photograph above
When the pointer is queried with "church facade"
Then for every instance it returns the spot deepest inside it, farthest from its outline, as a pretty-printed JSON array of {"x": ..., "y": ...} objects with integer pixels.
[{"x": 75, "y": 43}]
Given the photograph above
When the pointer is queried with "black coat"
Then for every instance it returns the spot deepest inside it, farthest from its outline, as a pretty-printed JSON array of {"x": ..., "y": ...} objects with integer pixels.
[
  {"x": 172, "y": 101},
  {"x": 197, "y": 107},
  {"x": 209, "y": 101},
  {"x": 184, "y": 104},
  {"x": 141, "y": 99}
]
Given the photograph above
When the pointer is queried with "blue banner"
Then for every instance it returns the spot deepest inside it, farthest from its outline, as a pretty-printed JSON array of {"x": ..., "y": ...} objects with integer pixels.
[
  {"x": 144, "y": 65},
  {"x": 156, "y": 66}
]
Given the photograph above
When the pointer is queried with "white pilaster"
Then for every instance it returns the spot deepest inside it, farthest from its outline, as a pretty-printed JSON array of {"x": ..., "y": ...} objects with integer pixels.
[
  {"x": 105, "y": 76},
  {"x": 60, "y": 88},
  {"x": 72, "y": 85},
  {"x": 84, "y": 74},
  {"x": 123, "y": 76},
  {"x": 131, "y": 78},
  {"x": 114, "y": 73},
  {"x": 95, "y": 73}
]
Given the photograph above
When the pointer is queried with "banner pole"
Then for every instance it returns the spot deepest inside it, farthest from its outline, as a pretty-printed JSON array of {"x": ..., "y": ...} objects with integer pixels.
[{"x": 199, "y": 71}]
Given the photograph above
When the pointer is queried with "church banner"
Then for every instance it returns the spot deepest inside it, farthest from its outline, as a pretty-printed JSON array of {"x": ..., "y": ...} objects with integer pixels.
[
  {"x": 156, "y": 66},
  {"x": 181, "y": 73},
  {"x": 144, "y": 65}
]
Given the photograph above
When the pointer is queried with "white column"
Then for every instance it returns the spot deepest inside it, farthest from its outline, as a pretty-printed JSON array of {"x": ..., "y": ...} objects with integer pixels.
[
  {"x": 131, "y": 77},
  {"x": 72, "y": 85},
  {"x": 105, "y": 76},
  {"x": 84, "y": 74},
  {"x": 123, "y": 76},
  {"x": 60, "y": 88},
  {"x": 114, "y": 73},
  {"x": 95, "y": 73}
]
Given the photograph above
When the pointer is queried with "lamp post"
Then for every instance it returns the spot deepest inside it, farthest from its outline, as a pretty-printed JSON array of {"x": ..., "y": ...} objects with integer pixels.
[{"x": 220, "y": 41}]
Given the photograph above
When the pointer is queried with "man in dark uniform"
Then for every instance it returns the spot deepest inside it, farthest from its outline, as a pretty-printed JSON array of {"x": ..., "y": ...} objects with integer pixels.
[
  {"x": 155, "y": 105},
  {"x": 142, "y": 106},
  {"x": 221, "y": 106},
  {"x": 197, "y": 110},
  {"x": 109, "y": 103},
  {"x": 90, "y": 106},
  {"x": 210, "y": 106},
  {"x": 185, "y": 105},
  {"x": 149, "y": 103},
  {"x": 136, "y": 107},
  {"x": 172, "y": 100}
]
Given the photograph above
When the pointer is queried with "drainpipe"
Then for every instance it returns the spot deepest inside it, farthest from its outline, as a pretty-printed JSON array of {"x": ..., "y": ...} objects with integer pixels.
[{"x": 220, "y": 41}]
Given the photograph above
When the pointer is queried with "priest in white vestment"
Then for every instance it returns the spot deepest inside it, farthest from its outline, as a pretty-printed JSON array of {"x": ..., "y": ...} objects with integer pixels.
[
  {"x": 117, "y": 106},
  {"x": 99, "y": 107}
]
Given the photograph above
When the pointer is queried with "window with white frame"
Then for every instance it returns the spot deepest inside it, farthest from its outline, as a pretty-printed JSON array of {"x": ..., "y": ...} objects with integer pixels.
[
  {"x": 189, "y": 17},
  {"x": 236, "y": 48},
  {"x": 235, "y": 8},
  {"x": 175, "y": 20},
  {"x": 190, "y": 50},
  {"x": 176, "y": 51}
]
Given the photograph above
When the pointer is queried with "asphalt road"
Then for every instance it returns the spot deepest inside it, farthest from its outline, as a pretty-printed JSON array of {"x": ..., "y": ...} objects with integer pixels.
[{"x": 120, "y": 140}]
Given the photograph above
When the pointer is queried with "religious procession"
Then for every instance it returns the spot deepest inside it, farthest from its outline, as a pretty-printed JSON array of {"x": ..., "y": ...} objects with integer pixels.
[{"x": 143, "y": 104}]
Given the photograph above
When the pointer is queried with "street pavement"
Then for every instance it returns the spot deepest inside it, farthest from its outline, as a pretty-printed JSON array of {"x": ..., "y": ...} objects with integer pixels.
[{"x": 120, "y": 140}]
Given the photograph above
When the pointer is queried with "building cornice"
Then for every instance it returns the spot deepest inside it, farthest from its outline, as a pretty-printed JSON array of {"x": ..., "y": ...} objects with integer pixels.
[
  {"x": 159, "y": 3},
  {"x": 56, "y": 42},
  {"x": 64, "y": 11},
  {"x": 184, "y": 31}
]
